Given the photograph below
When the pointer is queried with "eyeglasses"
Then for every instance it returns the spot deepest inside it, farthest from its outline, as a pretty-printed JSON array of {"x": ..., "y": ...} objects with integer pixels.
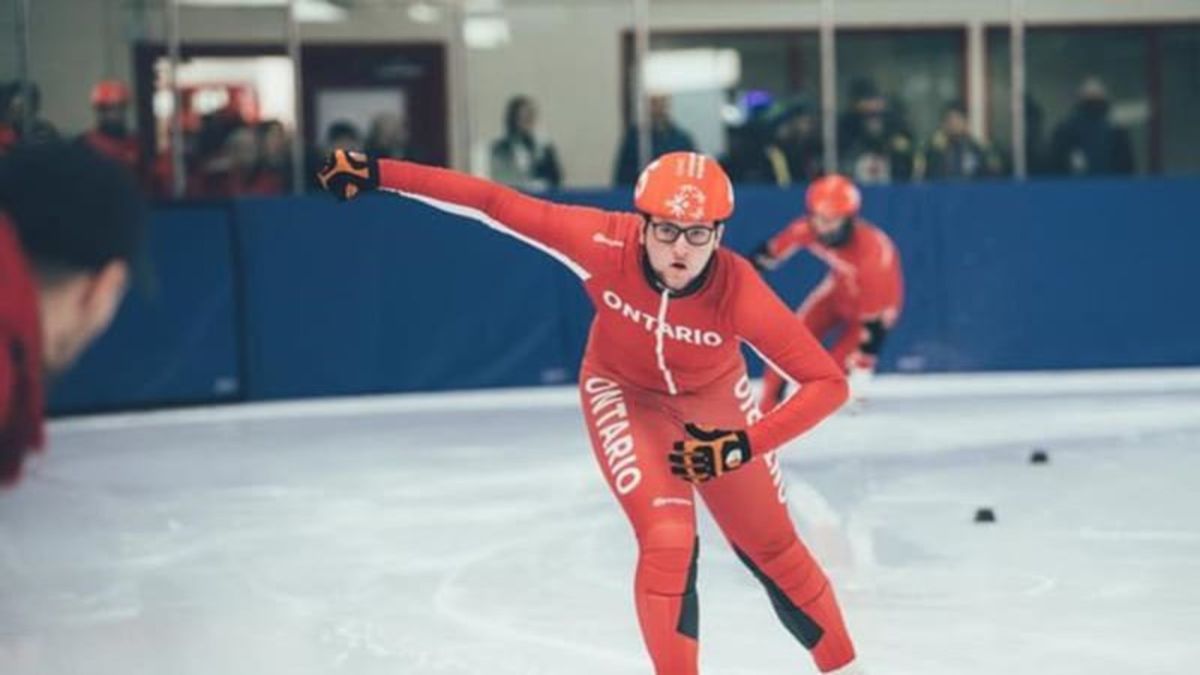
[{"x": 668, "y": 233}]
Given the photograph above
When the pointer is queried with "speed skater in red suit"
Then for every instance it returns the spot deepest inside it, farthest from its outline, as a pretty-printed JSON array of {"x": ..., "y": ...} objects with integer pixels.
[{"x": 668, "y": 407}]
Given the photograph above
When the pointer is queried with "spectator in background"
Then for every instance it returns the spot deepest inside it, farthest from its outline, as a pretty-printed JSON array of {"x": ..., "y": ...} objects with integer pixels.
[
  {"x": 237, "y": 169},
  {"x": 20, "y": 103},
  {"x": 70, "y": 227},
  {"x": 874, "y": 144},
  {"x": 747, "y": 132},
  {"x": 389, "y": 136},
  {"x": 521, "y": 159},
  {"x": 8, "y": 130},
  {"x": 343, "y": 135},
  {"x": 111, "y": 136},
  {"x": 665, "y": 137},
  {"x": 953, "y": 153},
  {"x": 275, "y": 151},
  {"x": 794, "y": 153},
  {"x": 1035, "y": 138},
  {"x": 1087, "y": 143}
]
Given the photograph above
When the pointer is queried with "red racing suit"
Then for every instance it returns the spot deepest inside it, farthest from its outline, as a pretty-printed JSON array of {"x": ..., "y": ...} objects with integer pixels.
[
  {"x": 862, "y": 295},
  {"x": 21, "y": 398},
  {"x": 125, "y": 151},
  {"x": 655, "y": 359}
]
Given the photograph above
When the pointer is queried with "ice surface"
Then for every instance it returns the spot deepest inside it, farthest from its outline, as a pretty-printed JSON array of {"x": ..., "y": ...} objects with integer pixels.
[{"x": 473, "y": 533}]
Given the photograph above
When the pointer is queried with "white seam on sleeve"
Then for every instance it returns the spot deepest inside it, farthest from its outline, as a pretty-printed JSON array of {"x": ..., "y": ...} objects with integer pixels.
[
  {"x": 476, "y": 214},
  {"x": 782, "y": 373}
]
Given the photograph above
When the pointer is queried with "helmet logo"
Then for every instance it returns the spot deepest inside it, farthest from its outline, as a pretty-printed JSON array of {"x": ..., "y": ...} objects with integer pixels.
[{"x": 687, "y": 203}]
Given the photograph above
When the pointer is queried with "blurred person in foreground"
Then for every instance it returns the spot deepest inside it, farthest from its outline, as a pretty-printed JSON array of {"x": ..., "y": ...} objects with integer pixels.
[
  {"x": 667, "y": 403},
  {"x": 521, "y": 158},
  {"x": 859, "y": 301},
  {"x": 71, "y": 223}
]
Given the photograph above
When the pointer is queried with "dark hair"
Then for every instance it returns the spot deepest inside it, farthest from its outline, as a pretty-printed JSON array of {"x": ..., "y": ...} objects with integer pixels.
[
  {"x": 863, "y": 88},
  {"x": 512, "y": 110},
  {"x": 341, "y": 128},
  {"x": 215, "y": 130},
  {"x": 15, "y": 89},
  {"x": 74, "y": 210},
  {"x": 954, "y": 106},
  {"x": 786, "y": 110}
]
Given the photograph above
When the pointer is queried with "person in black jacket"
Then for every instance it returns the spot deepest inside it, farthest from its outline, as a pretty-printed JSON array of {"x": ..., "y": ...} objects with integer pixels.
[
  {"x": 665, "y": 136},
  {"x": 1087, "y": 143},
  {"x": 874, "y": 143},
  {"x": 952, "y": 153}
]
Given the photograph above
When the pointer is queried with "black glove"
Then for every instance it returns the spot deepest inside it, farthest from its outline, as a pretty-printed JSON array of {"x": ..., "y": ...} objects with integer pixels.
[
  {"x": 346, "y": 174},
  {"x": 708, "y": 453},
  {"x": 762, "y": 259}
]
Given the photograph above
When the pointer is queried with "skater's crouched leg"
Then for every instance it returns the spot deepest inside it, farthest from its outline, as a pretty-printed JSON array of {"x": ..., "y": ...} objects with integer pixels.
[
  {"x": 665, "y": 589},
  {"x": 804, "y": 601}
]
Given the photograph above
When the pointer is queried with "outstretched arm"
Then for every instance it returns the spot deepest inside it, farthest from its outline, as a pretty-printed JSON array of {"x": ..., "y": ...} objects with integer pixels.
[
  {"x": 776, "y": 250},
  {"x": 563, "y": 232}
]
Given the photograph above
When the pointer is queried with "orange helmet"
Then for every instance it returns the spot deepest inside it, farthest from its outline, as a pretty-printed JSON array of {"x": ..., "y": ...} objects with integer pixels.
[
  {"x": 110, "y": 92},
  {"x": 686, "y": 187},
  {"x": 833, "y": 196}
]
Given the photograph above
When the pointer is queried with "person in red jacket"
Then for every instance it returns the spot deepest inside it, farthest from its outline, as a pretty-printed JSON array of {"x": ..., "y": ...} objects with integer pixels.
[
  {"x": 111, "y": 136},
  {"x": 864, "y": 291},
  {"x": 70, "y": 225},
  {"x": 667, "y": 402}
]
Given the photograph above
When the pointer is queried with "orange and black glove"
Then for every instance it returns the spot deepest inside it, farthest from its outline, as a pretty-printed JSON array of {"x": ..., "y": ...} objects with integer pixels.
[
  {"x": 708, "y": 453},
  {"x": 347, "y": 174}
]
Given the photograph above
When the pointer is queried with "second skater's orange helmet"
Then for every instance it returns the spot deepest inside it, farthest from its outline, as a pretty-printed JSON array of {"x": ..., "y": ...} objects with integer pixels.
[
  {"x": 833, "y": 196},
  {"x": 684, "y": 187},
  {"x": 110, "y": 92}
]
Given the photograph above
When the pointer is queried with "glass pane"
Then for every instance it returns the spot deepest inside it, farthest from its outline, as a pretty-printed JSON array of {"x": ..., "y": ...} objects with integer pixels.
[
  {"x": 10, "y": 39},
  {"x": 534, "y": 120},
  {"x": 367, "y": 67},
  {"x": 893, "y": 87},
  {"x": 30, "y": 102},
  {"x": 749, "y": 98},
  {"x": 1180, "y": 135},
  {"x": 1088, "y": 98},
  {"x": 999, "y": 105}
]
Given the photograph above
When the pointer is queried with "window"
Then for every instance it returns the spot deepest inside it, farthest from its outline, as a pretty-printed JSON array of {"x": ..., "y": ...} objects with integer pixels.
[
  {"x": 1064, "y": 66},
  {"x": 918, "y": 71},
  {"x": 771, "y": 66},
  {"x": 1179, "y": 63}
]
